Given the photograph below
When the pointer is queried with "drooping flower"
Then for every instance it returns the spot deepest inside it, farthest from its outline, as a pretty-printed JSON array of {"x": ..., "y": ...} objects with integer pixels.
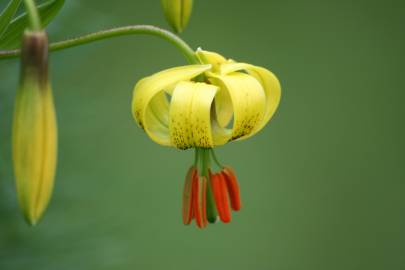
[
  {"x": 203, "y": 106},
  {"x": 34, "y": 129}
]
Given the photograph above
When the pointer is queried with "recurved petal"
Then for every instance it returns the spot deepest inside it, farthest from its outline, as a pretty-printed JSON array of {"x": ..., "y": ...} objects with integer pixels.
[
  {"x": 212, "y": 58},
  {"x": 269, "y": 82},
  {"x": 272, "y": 90},
  {"x": 150, "y": 106},
  {"x": 248, "y": 103},
  {"x": 190, "y": 115}
]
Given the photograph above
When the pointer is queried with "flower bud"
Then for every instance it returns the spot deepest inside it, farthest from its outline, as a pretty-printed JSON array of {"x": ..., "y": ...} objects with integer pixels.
[
  {"x": 34, "y": 129},
  {"x": 177, "y": 13}
]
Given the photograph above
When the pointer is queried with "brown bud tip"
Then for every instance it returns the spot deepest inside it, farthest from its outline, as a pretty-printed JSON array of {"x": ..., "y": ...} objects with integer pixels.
[{"x": 34, "y": 56}]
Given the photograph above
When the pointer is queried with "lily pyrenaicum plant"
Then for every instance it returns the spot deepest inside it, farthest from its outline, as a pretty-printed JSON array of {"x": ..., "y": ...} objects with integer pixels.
[
  {"x": 34, "y": 129},
  {"x": 206, "y": 104},
  {"x": 201, "y": 107}
]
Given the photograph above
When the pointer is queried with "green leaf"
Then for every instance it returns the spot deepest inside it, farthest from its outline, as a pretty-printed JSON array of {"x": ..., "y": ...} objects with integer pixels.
[
  {"x": 7, "y": 14},
  {"x": 12, "y": 37}
]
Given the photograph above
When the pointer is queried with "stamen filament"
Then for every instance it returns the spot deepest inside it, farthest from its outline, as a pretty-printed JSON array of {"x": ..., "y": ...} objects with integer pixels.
[
  {"x": 214, "y": 157},
  {"x": 196, "y": 158},
  {"x": 205, "y": 165}
]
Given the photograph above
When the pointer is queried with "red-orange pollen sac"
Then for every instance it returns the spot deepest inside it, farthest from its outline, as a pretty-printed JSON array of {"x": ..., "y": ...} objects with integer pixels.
[{"x": 209, "y": 196}]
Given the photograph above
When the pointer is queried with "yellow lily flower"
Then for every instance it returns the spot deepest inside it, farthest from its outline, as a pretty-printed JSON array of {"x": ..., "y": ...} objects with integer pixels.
[
  {"x": 235, "y": 101},
  {"x": 203, "y": 106}
]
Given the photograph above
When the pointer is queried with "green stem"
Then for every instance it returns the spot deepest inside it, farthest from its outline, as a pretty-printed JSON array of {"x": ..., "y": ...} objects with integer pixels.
[
  {"x": 35, "y": 22},
  {"x": 115, "y": 32}
]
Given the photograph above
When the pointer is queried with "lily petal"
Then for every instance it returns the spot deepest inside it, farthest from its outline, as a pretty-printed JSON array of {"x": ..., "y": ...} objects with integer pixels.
[
  {"x": 270, "y": 84},
  {"x": 212, "y": 58},
  {"x": 272, "y": 89},
  {"x": 190, "y": 115},
  {"x": 150, "y": 105},
  {"x": 248, "y": 101}
]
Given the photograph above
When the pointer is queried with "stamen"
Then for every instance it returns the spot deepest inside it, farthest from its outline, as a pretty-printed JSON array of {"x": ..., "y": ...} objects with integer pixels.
[
  {"x": 204, "y": 201},
  {"x": 205, "y": 168},
  {"x": 214, "y": 157},
  {"x": 199, "y": 202},
  {"x": 187, "y": 196},
  {"x": 220, "y": 195},
  {"x": 211, "y": 208},
  {"x": 226, "y": 217},
  {"x": 233, "y": 187}
]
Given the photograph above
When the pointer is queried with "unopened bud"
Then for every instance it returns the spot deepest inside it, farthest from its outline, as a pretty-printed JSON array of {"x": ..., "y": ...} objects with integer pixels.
[
  {"x": 34, "y": 129},
  {"x": 177, "y": 13}
]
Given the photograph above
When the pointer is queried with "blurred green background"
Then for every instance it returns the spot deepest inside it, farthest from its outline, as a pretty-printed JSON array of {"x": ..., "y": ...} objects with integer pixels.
[{"x": 322, "y": 185}]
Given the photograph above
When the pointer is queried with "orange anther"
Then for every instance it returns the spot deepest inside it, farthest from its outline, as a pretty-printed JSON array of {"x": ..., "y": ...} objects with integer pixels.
[
  {"x": 220, "y": 193},
  {"x": 199, "y": 193},
  {"x": 233, "y": 187}
]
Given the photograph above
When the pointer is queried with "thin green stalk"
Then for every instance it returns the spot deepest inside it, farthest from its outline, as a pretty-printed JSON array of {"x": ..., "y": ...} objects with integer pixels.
[
  {"x": 35, "y": 22},
  {"x": 211, "y": 208},
  {"x": 214, "y": 157},
  {"x": 196, "y": 158},
  {"x": 204, "y": 169},
  {"x": 115, "y": 32}
]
